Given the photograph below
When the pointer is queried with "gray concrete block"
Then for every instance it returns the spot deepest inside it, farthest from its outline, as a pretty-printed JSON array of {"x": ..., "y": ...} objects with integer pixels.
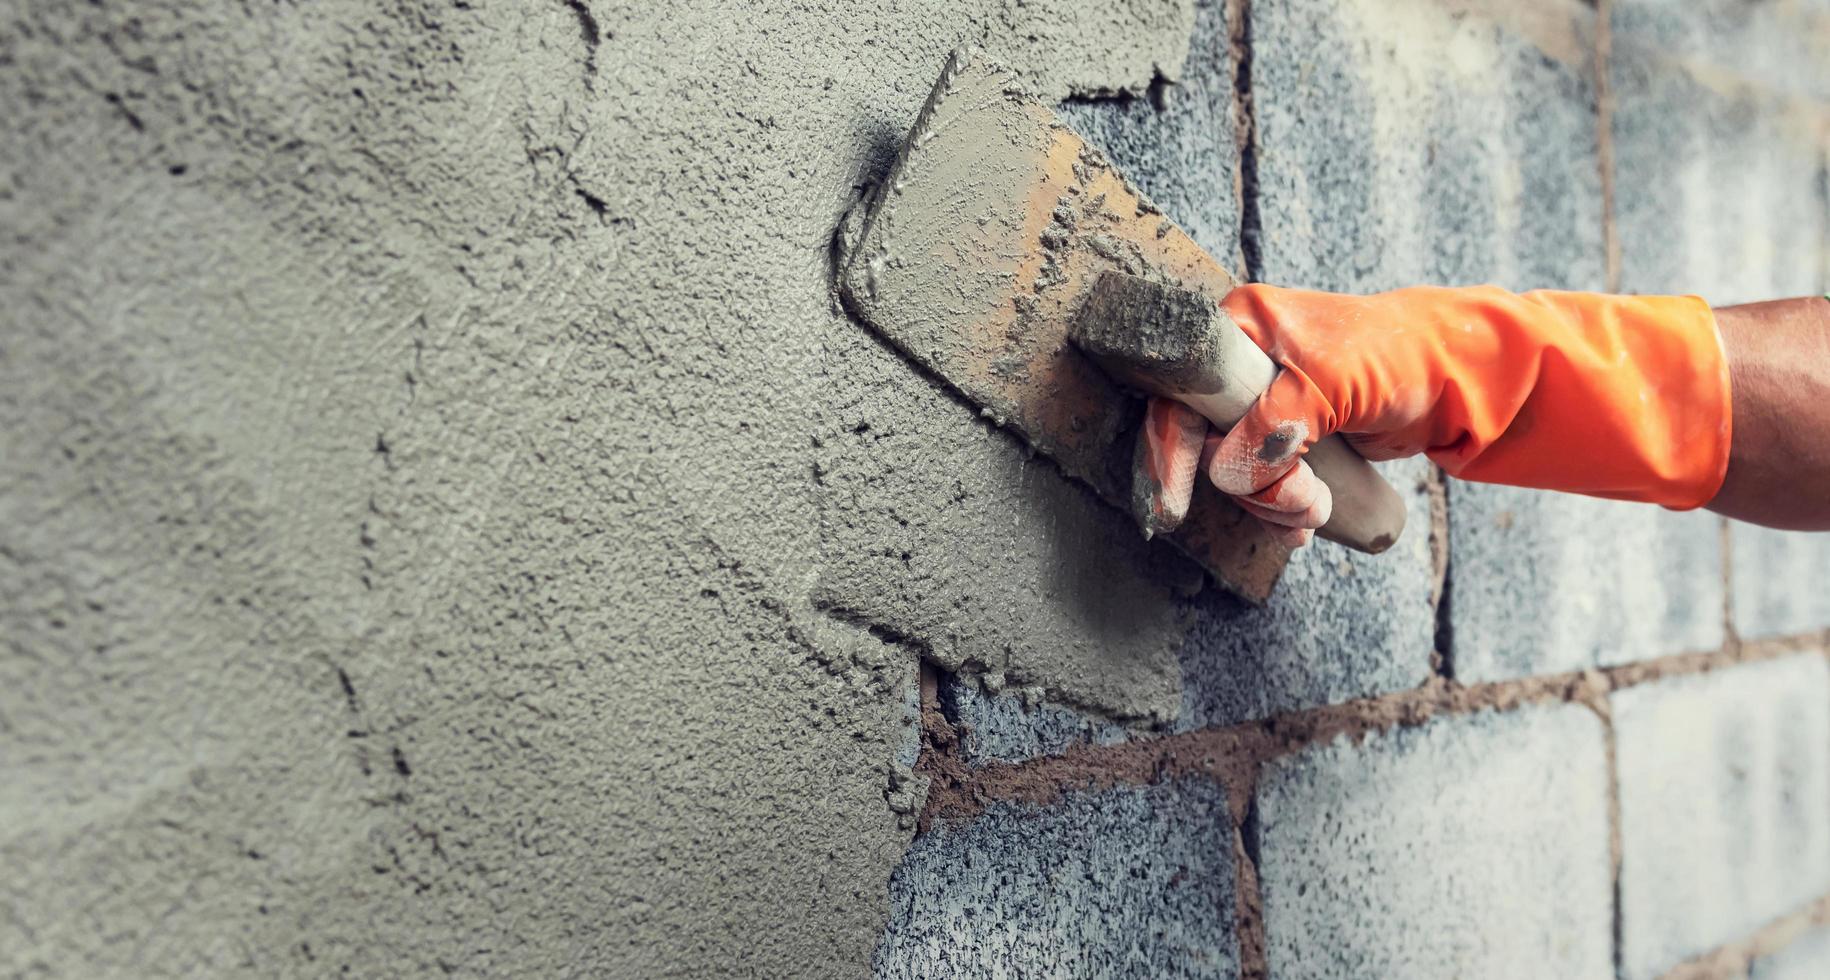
[
  {"x": 1179, "y": 142},
  {"x": 1009, "y": 726},
  {"x": 1543, "y": 583},
  {"x": 1806, "y": 958},
  {"x": 1781, "y": 46},
  {"x": 1780, "y": 580},
  {"x": 1409, "y": 141},
  {"x": 1129, "y": 882},
  {"x": 1717, "y": 188},
  {"x": 1473, "y": 846},
  {"x": 1724, "y": 782},
  {"x": 1340, "y": 626},
  {"x": 1382, "y": 163}
]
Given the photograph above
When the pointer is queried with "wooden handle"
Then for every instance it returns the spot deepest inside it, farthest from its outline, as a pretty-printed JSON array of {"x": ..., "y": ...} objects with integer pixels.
[{"x": 1369, "y": 514}]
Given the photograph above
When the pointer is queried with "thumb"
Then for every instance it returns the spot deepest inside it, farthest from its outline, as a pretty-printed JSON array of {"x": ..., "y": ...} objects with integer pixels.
[{"x": 1280, "y": 426}]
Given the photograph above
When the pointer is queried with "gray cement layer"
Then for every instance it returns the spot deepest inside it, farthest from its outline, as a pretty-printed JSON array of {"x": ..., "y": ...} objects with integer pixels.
[{"x": 421, "y": 430}]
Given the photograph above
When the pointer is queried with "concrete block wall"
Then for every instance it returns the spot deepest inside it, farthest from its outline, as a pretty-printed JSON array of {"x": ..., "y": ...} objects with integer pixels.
[
  {"x": 1555, "y": 736},
  {"x": 449, "y": 528}
]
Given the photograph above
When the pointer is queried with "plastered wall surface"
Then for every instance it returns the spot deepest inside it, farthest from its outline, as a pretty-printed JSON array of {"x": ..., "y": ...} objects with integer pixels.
[
  {"x": 447, "y": 527},
  {"x": 443, "y": 506}
]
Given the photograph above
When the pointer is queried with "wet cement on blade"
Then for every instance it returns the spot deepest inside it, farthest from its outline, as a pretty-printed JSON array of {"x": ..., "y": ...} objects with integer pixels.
[
  {"x": 426, "y": 427},
  {"x": 943, "y": 242}
]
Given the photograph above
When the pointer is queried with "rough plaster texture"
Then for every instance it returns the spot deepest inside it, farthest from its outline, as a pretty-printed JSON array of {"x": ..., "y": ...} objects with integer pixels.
[
  {"x": 1131, "y": 882},
  {"x": 1468, "y": 847},
  {"x": 448, "y": 529},
  {"x": 415, "y": 422},
  {"x": 1806, "y": 958},
  {"x": 1724, "y": 805}
]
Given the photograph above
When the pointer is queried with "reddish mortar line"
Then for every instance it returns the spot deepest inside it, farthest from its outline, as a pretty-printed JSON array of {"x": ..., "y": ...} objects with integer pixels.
[
  {"x": 1735, "y": 959},
  {"x": 1248, "y": 912},
  {"x": 1231, "y": 755}
]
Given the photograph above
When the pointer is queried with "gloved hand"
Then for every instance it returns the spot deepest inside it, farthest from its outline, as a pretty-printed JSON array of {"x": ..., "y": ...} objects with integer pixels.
[{"x": 1624, "y": 397}]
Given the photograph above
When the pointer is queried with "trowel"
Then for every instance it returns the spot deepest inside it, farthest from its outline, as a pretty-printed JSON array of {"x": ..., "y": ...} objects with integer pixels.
[{"x": 1009, "y": 258}]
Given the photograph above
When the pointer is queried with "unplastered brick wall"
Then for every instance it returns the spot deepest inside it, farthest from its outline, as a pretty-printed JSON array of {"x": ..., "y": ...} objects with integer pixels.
[{"x": 1545, "y": 736}]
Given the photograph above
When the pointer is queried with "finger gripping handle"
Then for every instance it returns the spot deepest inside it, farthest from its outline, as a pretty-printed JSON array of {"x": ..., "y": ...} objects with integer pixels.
[{"x": 1174, "y": 342}]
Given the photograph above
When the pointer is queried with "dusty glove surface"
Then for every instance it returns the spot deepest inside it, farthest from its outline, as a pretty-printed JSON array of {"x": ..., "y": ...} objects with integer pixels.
[{"x": 1625, "y": 397}]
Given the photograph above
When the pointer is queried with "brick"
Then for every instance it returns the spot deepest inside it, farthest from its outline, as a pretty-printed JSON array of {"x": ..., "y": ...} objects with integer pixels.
[
  {"x": 1181, "y": 148},
  {"x": 1383, "y": 163},
  {"x": 1781, "y": 581},
  {"x": 1543, "y": 583},
  {"x": 1724, "y": 784},
  {"x": 1009, "y": 726},
  {"x": 1717, "y": 188},
  {"x": 1806, "y": 958},
  {"x": 1132, "y": 882},
  {"x": 1781, "y": 46},
  {"x": 1718, "y": 192},
  {"x": 1421, "y": 140},
  {"x": 1341, "y": 625},
  {"x": 1473, "y": 846}
]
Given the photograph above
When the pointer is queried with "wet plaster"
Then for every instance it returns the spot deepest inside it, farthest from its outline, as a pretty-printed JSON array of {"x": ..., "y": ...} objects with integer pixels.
[{"x": 424, "y": 548}]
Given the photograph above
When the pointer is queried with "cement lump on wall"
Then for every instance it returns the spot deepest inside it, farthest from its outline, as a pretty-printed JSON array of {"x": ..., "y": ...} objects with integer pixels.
[{"x": 415, "y": 419}]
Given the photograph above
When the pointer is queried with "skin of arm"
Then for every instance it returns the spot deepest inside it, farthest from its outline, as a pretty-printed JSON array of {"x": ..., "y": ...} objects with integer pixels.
[{"x": 1779, "y": 380}]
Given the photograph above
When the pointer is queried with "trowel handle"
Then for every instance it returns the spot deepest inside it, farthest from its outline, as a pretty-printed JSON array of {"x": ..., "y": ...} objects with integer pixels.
[{"x": 1368, "y": 512}]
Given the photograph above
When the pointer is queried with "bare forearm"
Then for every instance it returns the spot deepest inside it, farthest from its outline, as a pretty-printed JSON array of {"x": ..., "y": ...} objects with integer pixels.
[{"x": 1779, "y": 370}]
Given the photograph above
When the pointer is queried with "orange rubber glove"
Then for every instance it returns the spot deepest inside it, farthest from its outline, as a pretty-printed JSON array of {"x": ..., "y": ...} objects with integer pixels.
[{"x": 1624, "y": 397}]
